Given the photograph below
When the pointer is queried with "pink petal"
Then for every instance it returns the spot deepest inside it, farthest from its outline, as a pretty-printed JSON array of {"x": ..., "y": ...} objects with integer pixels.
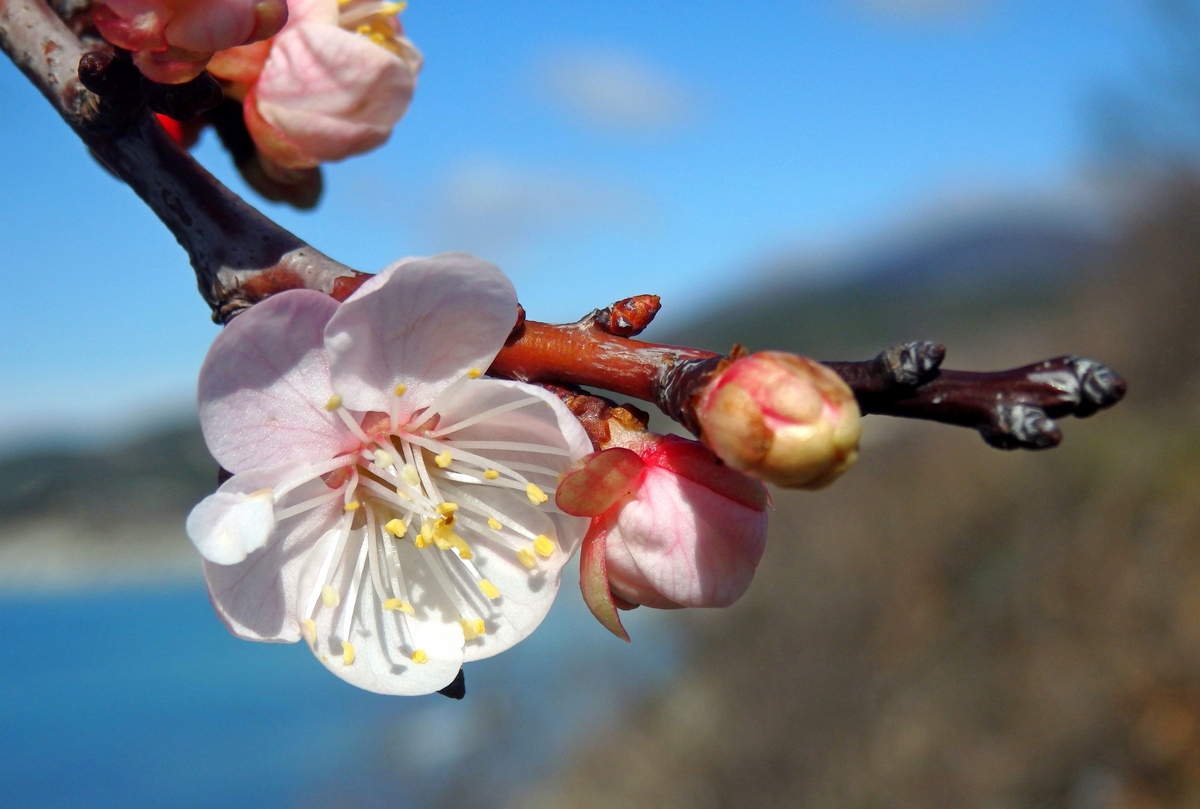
[
  {"x": 694, "y": 547},
  {"x": 625, "y": 579},
  {"x": 422, "y": 323},
  {"x": 264, "y": 384},
  {"x": 381, "y": 651},
  {"x": 331, "y": 92},
  {"x": 212, "y": 25},
  {"x": 593, "y": 580},
  {"x": 593, "y": 485},
  {"x": 258, "y": 597}
]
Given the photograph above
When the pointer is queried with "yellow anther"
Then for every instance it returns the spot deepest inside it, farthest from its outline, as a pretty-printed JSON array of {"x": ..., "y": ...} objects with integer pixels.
[
  {"x": 488, "y": 589},
  {"x": 447, "y": 508},
  {"x": 364, "y": 29},
  {"x": 460, "y": 545},
  {"x": 396, "y": 605},
  {"x": 352, "y": 505},
  {"x": 330, "y": 596},
  {"x": 474, "y": 373},
  {"x": 491, "y": 474},
  {"x": 310, "y": 631},
  {"x": 334, "y": 403},
  {"x": 468, "y": 628},
  {"x": 383, "y": 458},
  {"x": 543, "y": 545},
  {"x": 419, "y": 656},
  {"x": 443, "y": 543},
  {"x": 536, "y": 495},
  {"x": 347, "y": 652},
  {"x": 396, "y": 527},
  {"x": 409, "y": 475},
  {"x": 527, "y": 558},
  {"x": 443, "y": 460},
  {"x": 480, "y": 627},
  {"x": 399, "y": 389},
  {"x": 494, "y": 524},
  {"x": 388, "y": 9}
]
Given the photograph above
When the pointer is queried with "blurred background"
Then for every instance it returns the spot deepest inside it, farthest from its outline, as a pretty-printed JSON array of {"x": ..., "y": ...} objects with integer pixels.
[{"x": 949, "y": 625}]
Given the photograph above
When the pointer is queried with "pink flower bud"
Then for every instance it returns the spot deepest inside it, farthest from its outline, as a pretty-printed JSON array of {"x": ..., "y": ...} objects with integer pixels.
[
  {"x": 672, "y": 526},
  {"x": 173, "y": 40},
  {"x": 781, "y": 418},
  {"x": 333, "y": 84}
]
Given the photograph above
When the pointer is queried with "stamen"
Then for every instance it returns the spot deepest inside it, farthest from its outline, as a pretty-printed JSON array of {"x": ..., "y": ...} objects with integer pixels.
[
  {"x": 543, "y": 546},
  {"x": 347, "y": 653},
  {"x": 481, "y": 507},
  {"x": 491, "y": 474},
  {"x": 446, "y": 509},
  {"x": 515, "y": 446},
  {"x": 396, "y": 605},
  {"x": 468, "y": 457},
  {"x": 489, "y": 589},
  {"x": 468, "y": 628},
  {"x": 409, "y": 475},
  {"x": 353, "y": 505},
  {"x": 400, "y": 390},
  {"x": 335, "y": 549},
  {"x": 485, "y": 415},
  {"x": 419, "y": 656},
  {"x": 373, "y": 554},
  {"x": 311, "y": 472},
  {"x": 396, "y": 528},
  {"x": 494, "y": 524},
  {"x": 307, "y": 505},
  {"x": 352, "y": 596},
  {"x": 383, "y": 459},
  {"x": 474, "y": 373},
  {"x": 334, "y": 403},
  {"x": 536, "y": 495},
  {"x": 443, "y": 459},
  {"x": 330, "y": 596},
  {"x": 352, "y": 425},
  {"x": 526, "y": 557},
  {"x": 309, "y": 631}
]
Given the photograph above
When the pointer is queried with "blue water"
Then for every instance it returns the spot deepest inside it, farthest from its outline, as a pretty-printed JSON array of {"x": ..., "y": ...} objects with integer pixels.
[{"x": 141, "y": 698}]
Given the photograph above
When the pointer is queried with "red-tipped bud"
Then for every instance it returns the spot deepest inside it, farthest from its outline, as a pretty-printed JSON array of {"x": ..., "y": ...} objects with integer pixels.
[
  {"x": 782, "y": 418},
  {"x": 671, "y": 526}
]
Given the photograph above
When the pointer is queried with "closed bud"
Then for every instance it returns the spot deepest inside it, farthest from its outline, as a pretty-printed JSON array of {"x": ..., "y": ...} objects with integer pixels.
[{"x": 782, "y": 418}]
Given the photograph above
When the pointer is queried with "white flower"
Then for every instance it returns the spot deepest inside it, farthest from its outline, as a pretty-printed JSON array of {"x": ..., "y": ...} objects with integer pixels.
[{"x": 388, "y": 503}]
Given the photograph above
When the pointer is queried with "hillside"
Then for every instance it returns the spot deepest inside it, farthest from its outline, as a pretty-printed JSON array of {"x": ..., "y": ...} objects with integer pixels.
[{"x": 955, "y": 626}]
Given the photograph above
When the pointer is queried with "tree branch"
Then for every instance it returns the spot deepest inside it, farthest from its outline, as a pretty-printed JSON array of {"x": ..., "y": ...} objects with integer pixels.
[
  {"x": 239, "y": 255},
  {"x": 1012, "y": 409}
]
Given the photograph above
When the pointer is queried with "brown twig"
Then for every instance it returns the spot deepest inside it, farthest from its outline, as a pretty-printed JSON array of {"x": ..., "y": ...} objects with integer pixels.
[
  {"x": 239, "y": 255},
  {"x": 1012, "y": 409}
]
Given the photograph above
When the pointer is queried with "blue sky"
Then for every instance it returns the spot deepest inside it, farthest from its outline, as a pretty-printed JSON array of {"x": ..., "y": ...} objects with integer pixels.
[{"x": 593, "y": 152}]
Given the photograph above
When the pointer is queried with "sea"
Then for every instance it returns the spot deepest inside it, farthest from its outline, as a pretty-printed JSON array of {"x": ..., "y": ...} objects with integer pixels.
[{"x": 139, "y": 697}]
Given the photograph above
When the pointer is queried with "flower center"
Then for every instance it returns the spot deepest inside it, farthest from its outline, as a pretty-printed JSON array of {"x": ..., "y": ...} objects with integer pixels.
[
  {"x": 374, "y": 20},
  {"x": 435, "y": 493}
]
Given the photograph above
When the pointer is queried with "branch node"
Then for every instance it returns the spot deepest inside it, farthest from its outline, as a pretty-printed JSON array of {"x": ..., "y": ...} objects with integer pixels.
[
  {"x": 911, "y": 364},
  {"x": 680, "y": 382},
  {"x": 1021, "y": 426},
  {"x": 628, "y": 317}
]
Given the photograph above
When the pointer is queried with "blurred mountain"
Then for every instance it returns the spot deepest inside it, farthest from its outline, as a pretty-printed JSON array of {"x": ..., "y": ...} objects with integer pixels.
[
  {"x": 950, "y": 625},
  {"x": 942, "y": 278},
  {"x": 107, "y": 513}
]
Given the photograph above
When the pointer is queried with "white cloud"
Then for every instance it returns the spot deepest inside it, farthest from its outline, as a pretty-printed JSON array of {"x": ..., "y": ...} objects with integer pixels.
[
  {"x": 486, "y": 206},
  {"x": 615, "y": 91}
]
